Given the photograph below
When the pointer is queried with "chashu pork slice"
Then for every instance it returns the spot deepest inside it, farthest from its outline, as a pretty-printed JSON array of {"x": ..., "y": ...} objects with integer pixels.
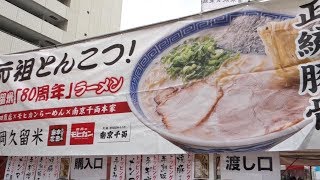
[
  {"x": 188, "y": 107},
  {"x": 164, "y": 94},
  {"x": 283, "y": 108},
  {"x": 251, "y": 106}
]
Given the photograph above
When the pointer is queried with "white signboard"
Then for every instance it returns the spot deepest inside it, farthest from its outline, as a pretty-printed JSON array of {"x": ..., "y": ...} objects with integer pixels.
[
  {"x": 51, "y": 168},
  {"x": 31, "y": 168},
  {"x": 166, "y": 167},
  {"x": 118, "y": 166},
  {"x": 133, "y": 167},
  {"x": 207, "y": 5},
  {"x": 184, "y": 166},
  {"x": 150, "y": 167},
  {"x": 9, "y": 172},
  {"x": 56, "y": 167},
  {"x": 19, "y": 167},
  {"x": 15, "y": 168},
  {"x": 41, "y": 168},
  {"x": 115, "y": 132},
  {"x": 88, "y": 167},
  {"x": 244, "y": 166}
]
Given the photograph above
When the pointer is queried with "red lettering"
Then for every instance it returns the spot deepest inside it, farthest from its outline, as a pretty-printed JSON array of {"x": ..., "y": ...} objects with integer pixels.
[
  {"x": 32, "y": 94},
  {"x": 24, "y": 94}
]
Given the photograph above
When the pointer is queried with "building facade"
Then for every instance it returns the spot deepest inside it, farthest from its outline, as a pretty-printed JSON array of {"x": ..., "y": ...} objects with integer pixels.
[{"x": 31, "y": 24}]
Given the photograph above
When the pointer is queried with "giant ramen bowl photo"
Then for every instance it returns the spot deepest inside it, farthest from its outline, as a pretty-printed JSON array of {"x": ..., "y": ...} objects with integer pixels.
[{"x": 221, "y": 85}]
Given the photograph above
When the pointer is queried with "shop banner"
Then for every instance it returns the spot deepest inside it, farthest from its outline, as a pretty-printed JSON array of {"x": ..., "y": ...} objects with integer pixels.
[
  {"x": 245, "y": 78},
  {"x": 20, "y": 168},
  {"x": 31, "y": 168},
  {"x": 88, "y": 167},
  {"x": 15, "y": 168},
  {"x": 150, "y": 167},
  {"x": 184, "y": 164},
  {"x": 243, "y": 166},
  {"x": 56, "y": 168},
  {"x": 118, "y": 168},
  {"x": 41, "y": 168},
  {"x": 9, "y": 168},
  {"x": 133, "y": 167},
  {"x": 52, "y": 168},
  {"x": 166, "y": 167}
]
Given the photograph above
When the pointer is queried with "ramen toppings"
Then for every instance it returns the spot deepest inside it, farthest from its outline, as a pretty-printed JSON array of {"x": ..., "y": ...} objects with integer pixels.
[
  {"x": 241, "y": 35},
  {"x": 195, "y": 59}
]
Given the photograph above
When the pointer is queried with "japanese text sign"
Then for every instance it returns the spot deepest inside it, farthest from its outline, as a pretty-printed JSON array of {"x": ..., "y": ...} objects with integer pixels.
[
  {"x": 184, "y": 166},
  {"x": 150, "y": 167},
  {"x": 89, "y": 167},
  {"x": 243, "y": 79},
  {"x": 133, "y": 167},
  {"x": 31, "y": 168},
  {"x": 166, "y": 167},
  {"x": 118, "y": 168},
  {"x": 248, "y": 165},
  {"x": 15, "y": 169}
]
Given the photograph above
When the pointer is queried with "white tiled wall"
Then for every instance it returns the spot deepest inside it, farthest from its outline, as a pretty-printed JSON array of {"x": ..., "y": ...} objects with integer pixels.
[
  {"x": 10, "y": 44},
  {"x": 20, "y": 45},
  {"x": 57, "y": 7},
  {"x": 5, "y": 46},
  {"x": 28, "y": 20},
  {"x": 104, "y": 17},
  {"x": 8, "y": 10},
  {"x": 51, "y": 31},
  {"x": 41, "y": 2}
]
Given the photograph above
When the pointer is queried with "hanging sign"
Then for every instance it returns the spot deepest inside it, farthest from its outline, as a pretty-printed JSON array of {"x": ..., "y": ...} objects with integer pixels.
[
  {"x": 239, "y": 80},
  {"x": 88, "y": 167},
  {"x": 243, "y": 166}
]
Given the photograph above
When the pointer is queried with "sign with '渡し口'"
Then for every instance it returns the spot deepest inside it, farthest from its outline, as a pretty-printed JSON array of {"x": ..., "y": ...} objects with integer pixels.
[{"x": 243, "y": 166}]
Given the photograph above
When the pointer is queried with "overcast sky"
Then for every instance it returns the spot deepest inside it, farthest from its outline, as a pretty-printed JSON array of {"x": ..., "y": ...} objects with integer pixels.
[{"x": 142, "y": 12}]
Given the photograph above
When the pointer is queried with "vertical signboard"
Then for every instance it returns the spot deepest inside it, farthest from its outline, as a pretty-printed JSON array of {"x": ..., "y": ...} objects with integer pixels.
[
  {"x": 133, "y": 167},
  {"x": 118, "y": 166},
  {"x": 150, "y": 167},
  {"x": 31, "y": 168},
  {"x": 41, "y": 166},
  {"x": 184, "y": 166},
  {"x": 166, "y": 167}
]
